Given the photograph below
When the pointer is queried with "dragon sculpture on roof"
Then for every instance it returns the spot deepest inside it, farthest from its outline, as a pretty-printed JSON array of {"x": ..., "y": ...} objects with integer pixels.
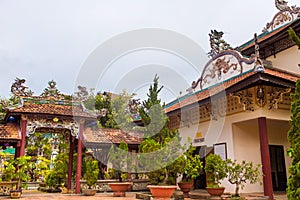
[
  {"x": 82, "y": 94},
  {"x": 19, "y": 89},
  {"x": 281, "y": 5},
  {"x": 217, "y": 43},
  {"x": 286, "y": 14}
]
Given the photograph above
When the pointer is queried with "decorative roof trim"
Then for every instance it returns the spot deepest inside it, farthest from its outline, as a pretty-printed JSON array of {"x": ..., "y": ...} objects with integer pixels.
[
  {"x": 223, "y": 66},
  {"x": 285, "y": 15}
]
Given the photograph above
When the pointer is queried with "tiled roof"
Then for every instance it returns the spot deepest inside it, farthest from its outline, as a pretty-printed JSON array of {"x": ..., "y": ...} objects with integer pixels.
[
  {"x": 9, "y": 131},
  {"x": 53, "y": 109},
  {"x": 265, "y": 36},
  {"x": 108, "y": 136},
  {"x": 206, "y": 93}
]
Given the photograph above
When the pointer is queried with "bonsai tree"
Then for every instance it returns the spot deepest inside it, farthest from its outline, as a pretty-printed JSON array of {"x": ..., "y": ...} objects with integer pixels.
[
  {"x": 91, "y": 173},
  {"x": 17, "y": 169},
  {"x": 191, "y": 165},
  {"x": 240, "y": 173},
  {"x": 118, "y": 156},
  {"x": 215, "y": 166},
  {"x": 58, "y": 174}
]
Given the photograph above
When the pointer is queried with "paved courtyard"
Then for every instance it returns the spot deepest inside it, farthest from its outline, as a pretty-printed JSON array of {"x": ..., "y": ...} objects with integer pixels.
[{"x": 36, "y": 195}]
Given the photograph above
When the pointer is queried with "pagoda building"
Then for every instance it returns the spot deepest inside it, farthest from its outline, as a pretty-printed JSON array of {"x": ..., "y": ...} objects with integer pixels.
[{"x": 239, "y": 107}]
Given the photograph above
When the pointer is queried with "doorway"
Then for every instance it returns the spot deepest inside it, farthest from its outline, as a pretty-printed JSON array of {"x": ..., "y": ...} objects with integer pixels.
[{"x": 278, "y": 169}]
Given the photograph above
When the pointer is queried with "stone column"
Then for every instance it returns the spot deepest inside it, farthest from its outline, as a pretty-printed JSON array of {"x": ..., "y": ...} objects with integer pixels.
[{"x": 265, "y": 157}]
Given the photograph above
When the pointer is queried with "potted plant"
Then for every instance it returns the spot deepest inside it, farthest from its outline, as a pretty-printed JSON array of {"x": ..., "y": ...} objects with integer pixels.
[
  {"x": 215, "y": 168},
  {"x": 160, "y": 150},
  {"x": 191, "y": 169},
  {"x": 17, "y": 169},
  {"x": 240, "y": 173},
  {"x": 119, "y": 158},
  {"x": 91, "y": 176}
]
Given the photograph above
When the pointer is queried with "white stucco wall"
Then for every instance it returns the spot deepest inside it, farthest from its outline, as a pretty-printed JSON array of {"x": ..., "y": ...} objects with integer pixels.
[
  {"x": 240, "y": 133},
  {"x": 287, "y": 60}
]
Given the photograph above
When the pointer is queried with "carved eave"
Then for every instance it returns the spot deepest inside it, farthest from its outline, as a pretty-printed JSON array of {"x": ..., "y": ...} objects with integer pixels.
[
  {"x": 273, "y": 42},
  {"x": 271, "y": 77}
]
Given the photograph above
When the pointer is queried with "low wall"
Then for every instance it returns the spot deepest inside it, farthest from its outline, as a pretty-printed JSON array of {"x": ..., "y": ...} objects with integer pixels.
[
  {"x": 6, "y": 186},
  {"x": 102, "y": 185}
]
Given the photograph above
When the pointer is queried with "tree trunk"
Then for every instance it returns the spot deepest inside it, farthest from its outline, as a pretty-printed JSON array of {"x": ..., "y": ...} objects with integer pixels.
[
  {"x": 237, "y": 190},
  {"x": 166, "y": 178}
]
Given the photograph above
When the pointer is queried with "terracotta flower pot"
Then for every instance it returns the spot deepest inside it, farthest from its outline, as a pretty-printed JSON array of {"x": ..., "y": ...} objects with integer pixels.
[
  {"x": 89, "y": 192},
  {"x": 215, "y": 191},
  {"x": 15, "y": 194},
  {"x": 119, "y": 188},
  {"x": 186, "y": 188},
  {"x": 162, "y": 191}
]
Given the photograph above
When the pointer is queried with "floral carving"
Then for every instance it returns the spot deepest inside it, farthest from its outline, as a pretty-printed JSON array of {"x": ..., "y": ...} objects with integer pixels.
[
  {"x": 34, "y": 123},
  {"x": 276, "y": 96},
  {"x": 246, "y": 98}
]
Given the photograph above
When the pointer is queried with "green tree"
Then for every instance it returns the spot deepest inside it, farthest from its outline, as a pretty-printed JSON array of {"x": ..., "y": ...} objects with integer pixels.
[
  {"x": 161, "y": 147},
  {"x": 293, "y": 190},
  {"x": 240, "y": 173},
  {"x": 114, "y": 109},
  {"x": 6, "y": 103},
  {"x": 91, "y": 173},
  {"x": 294, "y": 37},
  {"x": 120, "y": 159}
]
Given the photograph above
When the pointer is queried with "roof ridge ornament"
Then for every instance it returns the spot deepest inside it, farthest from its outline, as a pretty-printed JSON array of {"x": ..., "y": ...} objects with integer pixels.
[
  {"x": 286, "y": 14},
  {"x": 81, "y": 95},
  {"x": 52, "y": 92},
  {"x": 19, "y": 89},
  {"x": 259, "y": 67},
  {"x": 217, "y": 43}
]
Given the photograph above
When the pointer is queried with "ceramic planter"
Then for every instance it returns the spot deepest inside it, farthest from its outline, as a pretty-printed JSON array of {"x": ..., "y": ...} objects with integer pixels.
[
  {"x": 15, "y": 194},
  {"x": 119, "y": 188},
  {"x": 89, "y": 192},
  {"x": 186, "y": 188},
  {"x": 162, "y": 191},
  {"x": 215, "y": 191}
]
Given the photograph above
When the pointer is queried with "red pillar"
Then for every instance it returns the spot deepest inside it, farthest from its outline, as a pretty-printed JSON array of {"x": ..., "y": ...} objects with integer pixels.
[
  {"x": 265, "y": 157},
  {"x": 70, "y": 167},
  {"x": 23, "y": 135},
  {"x": 79, "y": 159},
  {"x": 18, "y": 149}
]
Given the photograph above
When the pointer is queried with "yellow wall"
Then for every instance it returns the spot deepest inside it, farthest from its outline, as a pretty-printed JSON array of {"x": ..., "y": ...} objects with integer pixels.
[{"x": 287, "y": 60}]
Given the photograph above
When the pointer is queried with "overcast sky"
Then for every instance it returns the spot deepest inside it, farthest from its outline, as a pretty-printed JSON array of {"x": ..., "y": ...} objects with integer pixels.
[{"x": 43, "y": 40}]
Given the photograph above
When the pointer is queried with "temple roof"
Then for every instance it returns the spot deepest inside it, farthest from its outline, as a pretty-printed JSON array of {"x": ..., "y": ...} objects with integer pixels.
[
  {"x": 9, "y": 132},
  {"x": 267, "y": 40},
  {"x": 109, "y": 136},
  {"x": 271, "y": 75},
  {"x": 38, "y": 105}
]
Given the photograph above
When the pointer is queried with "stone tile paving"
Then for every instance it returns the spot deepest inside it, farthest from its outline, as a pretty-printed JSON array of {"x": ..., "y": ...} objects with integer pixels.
[
  {"x": 36, "y": 195},
  {"x": 58, "y": 196}
]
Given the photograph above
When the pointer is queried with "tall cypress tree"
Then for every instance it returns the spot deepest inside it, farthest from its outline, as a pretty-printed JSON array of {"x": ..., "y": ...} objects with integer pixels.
[
  {"x": 293, "y": 190},
  {"x": 161, "y": 146},
  {"x": 294, "y": 37}
]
